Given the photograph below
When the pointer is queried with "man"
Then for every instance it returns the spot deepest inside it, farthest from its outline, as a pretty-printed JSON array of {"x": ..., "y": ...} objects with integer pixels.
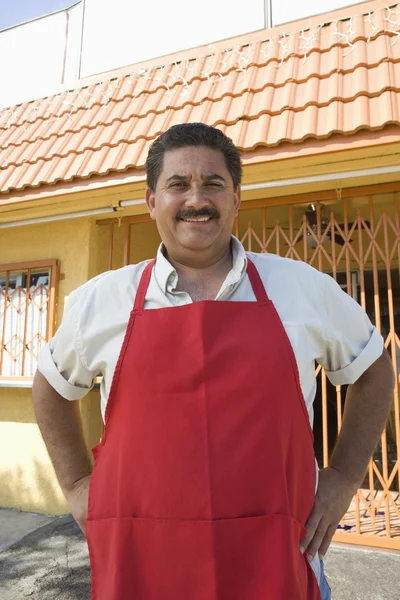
[{"x": 204, "y": 481}]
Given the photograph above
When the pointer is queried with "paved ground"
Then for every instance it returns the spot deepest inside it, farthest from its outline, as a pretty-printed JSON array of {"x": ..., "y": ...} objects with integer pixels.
[
  {"x": 15, "y": 525},
  {"x": 51, "y": 563}
]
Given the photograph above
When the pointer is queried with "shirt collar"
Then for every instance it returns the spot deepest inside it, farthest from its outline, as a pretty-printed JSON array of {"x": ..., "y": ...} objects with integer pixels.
[{"x": 167, "y": 278}]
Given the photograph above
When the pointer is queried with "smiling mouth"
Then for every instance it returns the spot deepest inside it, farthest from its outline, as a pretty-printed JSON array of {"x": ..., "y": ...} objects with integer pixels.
[{"x": 196, "y": 219}]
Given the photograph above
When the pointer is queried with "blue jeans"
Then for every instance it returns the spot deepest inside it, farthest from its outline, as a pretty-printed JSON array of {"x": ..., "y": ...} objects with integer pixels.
[{"x": 326, "y": 593}]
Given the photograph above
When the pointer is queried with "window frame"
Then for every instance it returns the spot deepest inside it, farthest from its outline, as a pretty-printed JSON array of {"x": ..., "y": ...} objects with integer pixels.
[{"x": 54, "y": 274}]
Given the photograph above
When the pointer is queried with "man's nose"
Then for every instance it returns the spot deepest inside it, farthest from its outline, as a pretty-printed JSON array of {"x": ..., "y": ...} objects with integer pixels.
[{"x": 196, "y": 197}]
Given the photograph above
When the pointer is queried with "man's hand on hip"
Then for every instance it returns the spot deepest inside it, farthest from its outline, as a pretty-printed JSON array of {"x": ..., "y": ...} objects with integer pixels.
[
  {"x": 78, "y": 498},
  {"x": 333, "y": 498},
  {"x": 366, "y": 410}
]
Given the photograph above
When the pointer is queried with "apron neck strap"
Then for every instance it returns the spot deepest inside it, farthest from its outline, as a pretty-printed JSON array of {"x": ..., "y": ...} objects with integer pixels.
[
  {"x": 143, "y": 285},
  {"x": 256, "y": 282}
]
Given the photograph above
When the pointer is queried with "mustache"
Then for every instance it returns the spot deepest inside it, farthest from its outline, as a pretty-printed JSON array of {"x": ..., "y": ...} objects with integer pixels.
[{"x": 203, "y": 212}]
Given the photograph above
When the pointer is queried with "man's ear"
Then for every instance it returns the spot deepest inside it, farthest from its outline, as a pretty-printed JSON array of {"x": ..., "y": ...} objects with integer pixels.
[{"x": 150, "y": 198}]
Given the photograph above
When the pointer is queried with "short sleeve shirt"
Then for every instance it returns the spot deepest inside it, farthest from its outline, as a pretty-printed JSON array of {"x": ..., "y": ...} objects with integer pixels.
[{"x": 323, "y": 323}]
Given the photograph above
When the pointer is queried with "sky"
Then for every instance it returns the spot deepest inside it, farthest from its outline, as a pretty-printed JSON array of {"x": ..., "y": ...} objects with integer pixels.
[{"x": 14, "y": 12}]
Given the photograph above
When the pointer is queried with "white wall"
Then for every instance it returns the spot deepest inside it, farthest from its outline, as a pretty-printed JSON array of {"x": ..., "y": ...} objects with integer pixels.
[
  {"x": 123, "y": 32},
  {"x": 293, "y": 10},
  {"x": 118, "y": 33},
  {"x": 32, "y": 57}
]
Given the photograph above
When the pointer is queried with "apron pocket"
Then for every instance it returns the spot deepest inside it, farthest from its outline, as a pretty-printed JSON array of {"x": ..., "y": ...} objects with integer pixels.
[
  {"x": 146, "y": 559},
  {"x": 228, "y": 559},
  {"x": 259, "y": 557}
]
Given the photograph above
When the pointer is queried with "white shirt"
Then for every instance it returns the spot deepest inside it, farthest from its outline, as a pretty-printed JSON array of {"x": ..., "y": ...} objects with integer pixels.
[{"x": 323, "y": 323}]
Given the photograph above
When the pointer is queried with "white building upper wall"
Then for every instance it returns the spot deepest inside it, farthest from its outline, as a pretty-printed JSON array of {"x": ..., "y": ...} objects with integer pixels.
[
  {"x": 134, "y": 32},
  {"x": 137, "y": 31},
  {"x": 293, "y": 10},
  {"x": 40, "y": 56}
]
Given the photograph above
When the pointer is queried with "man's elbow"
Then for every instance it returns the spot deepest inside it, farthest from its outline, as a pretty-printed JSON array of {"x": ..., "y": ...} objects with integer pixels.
[{"x": 381, "y": 371}]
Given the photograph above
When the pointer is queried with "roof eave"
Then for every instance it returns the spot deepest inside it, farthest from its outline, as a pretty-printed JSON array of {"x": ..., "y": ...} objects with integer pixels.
[{"x": 272, "y": 164}]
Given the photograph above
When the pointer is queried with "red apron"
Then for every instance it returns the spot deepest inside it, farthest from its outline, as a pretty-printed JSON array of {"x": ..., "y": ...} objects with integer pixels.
[{"x": 205, "y": 475}]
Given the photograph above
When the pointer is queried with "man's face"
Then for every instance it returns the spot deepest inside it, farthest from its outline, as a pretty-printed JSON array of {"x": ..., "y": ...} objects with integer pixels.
[{"x": 194, "y": 203}]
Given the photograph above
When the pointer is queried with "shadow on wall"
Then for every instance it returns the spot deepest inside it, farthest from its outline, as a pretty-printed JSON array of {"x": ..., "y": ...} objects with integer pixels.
[
  {"x": 28, "y": 481},
  {"x": 49, "y": 563},
  {"x": 32, "y": 487}
]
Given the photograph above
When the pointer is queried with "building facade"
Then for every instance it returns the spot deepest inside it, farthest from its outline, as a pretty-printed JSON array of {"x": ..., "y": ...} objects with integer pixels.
[{"x": 314, "y": 109}]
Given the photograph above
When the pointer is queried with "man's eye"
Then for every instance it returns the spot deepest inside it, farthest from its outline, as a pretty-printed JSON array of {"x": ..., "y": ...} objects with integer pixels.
[
  {"x": 213, "y": 184},
  {"x": 178, "y": 184}
]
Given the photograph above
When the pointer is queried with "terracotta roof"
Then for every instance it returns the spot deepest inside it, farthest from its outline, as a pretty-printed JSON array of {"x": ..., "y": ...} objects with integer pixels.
[{"x": 341, "y": 77}]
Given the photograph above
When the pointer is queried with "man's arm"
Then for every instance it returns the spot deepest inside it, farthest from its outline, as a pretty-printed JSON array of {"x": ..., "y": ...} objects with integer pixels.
[
  {"x": 367, "y": 407},
  {"x": 60, "y": 423}
]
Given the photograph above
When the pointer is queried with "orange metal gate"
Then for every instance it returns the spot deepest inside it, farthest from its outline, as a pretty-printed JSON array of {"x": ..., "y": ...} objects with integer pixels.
[{"x": 356, "y": 239}]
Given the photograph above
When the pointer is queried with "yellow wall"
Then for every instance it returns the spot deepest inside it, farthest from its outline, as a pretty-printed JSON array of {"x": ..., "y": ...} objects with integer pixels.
[
  {"x": 67, "y": 241},
  {"x": 28, "y": 481},
  {"x": 27, "y": 478}
]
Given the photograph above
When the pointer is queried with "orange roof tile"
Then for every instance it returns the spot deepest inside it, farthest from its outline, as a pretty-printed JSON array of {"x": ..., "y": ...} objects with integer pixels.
[{"x": 341, "y": 77}]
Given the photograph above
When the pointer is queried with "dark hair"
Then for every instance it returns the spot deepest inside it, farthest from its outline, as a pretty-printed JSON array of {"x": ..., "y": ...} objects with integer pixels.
[{"x": 192, "y": 134}]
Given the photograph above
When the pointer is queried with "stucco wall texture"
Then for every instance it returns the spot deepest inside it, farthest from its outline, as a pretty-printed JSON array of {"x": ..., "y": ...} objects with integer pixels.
[{"x": 27, "y": 477}]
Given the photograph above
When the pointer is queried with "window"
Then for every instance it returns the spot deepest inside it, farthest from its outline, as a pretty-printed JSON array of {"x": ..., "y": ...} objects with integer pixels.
[{"x": 27, "y": 314}]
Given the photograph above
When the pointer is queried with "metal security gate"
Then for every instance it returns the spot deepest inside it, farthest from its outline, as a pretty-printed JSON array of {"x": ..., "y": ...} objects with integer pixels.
[
  {"x": 27, "y": 314},
  {"x": 356, "y": 239}
]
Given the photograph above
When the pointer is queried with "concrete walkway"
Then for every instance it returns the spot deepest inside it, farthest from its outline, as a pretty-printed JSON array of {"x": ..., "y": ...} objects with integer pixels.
[{"x": 45, "y": 558}]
